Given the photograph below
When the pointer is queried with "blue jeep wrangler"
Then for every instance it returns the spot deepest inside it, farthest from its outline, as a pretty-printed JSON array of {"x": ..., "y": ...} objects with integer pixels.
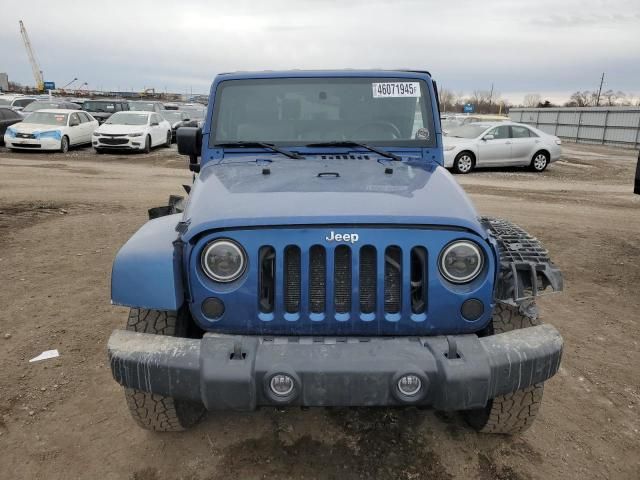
[{"x": 324, "y": 257}]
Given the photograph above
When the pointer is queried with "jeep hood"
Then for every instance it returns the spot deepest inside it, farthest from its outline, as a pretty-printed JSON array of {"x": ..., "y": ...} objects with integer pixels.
[{"x": 249, "y": 192}]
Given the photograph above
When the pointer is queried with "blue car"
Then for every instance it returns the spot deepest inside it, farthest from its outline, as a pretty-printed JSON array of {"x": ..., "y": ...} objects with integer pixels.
[{"x": 325, "y": 257}]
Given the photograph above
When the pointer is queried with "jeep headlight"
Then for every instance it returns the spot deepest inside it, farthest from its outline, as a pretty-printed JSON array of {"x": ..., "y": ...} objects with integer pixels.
[
  {"x": 223, "y": 261},
  {"x": 461, "y": 261}
]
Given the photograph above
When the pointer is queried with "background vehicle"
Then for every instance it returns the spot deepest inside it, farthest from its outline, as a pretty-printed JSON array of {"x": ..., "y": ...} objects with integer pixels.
[
  {"x": 177, "y": 119},
  {"x": 499, "y": 144},
  {"x": 16, "y": 103},
  {"x": 320, "y": 216},
  {"x": 44, "y": 105},
  {"x": 142, "y": 106},
  {"x": 196, "y": 111},
  {"x": 51, "y": 130},
  {"x": 132, "y": 131},
  {"x": 103, "y": 109},
  {"x": 8, "y": 117}
]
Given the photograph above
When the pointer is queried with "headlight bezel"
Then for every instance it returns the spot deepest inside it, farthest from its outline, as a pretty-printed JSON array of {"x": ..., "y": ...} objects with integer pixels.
[
  {"x": 134, "y": 135},
  {"x": 468, "y": 278},
  {"x": 210, "y": 274}
]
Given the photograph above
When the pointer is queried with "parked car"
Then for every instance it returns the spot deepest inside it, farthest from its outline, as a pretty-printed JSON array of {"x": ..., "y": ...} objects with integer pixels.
[
  {"x": 482, "y": 118},
  {"x": 171, "y": 106},
  {"x": 103, "y": 109},
  {"x": 132, "y": 131},
  {"x": 177, "y": 119},
  {"x": 196, "y": 111},
  {"x": 142, "y": 106},
  {"x": 8, "y": 117},
  {"x": 48, "y": 105},
  {"x": 325, "y": 257},
  {"x": 51, "y": 130},
  {"x": 499, "y": 144},
  {"x": 16, "y": 102}
]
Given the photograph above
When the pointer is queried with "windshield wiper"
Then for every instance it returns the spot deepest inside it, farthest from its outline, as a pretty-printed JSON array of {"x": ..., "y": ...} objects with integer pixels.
[
  {"x": 269, "y": 146},
  {"x": 349, "y": 143}
]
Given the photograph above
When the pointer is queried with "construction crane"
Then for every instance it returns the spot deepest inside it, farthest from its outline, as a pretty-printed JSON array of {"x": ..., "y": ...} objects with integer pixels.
[{"x": 37, "y": 73}]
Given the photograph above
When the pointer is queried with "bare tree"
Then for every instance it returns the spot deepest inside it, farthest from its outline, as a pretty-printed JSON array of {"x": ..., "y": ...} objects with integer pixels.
[
  {"x": 583, "y": 98},
  {"x": 532, "y": 100},
  {"x": 448, "y": 100}
]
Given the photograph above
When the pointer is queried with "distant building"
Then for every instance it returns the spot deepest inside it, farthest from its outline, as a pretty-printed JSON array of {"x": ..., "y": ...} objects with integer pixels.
[{"x": 4, "y": 82}]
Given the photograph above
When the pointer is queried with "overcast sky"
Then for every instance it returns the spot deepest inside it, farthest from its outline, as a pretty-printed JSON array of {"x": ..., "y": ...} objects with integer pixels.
[{"x": 550, "y": 47}]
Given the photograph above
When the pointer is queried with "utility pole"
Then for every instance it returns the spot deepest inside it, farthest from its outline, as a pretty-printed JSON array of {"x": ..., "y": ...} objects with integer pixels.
[
  {"x": 600, "y": 90},
  {"x": 490, "y": 97}
]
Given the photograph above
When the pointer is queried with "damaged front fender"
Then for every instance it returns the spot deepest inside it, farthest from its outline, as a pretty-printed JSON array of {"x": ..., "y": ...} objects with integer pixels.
[{"x": 526, "y": 270}]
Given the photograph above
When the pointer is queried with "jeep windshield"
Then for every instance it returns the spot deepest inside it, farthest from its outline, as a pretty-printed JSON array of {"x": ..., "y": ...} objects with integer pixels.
[{"x": 323, "y": 112}]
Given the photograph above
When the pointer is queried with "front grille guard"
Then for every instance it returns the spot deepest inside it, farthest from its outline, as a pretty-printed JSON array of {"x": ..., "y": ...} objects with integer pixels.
[{"x": 526, "y": 270}]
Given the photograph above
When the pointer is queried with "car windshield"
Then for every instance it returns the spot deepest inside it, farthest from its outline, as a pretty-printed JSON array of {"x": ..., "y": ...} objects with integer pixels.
[
  {"x": 300, "y": 111},
  {"x": 47, "y": 118},
  {"x": 32, "y": 107},
  {"x": 93, "y": 106},
  {"x": 127, "y": 118},
  {"x": 142, "y": 106},
  {"x": 172, "y": 115},
  {"x": 467, "y": 131}
]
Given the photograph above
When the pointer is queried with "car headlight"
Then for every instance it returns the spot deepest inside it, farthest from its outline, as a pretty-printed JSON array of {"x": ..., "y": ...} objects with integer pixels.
[
  {"x": 448, "y": 148},
  {"x": 96, "y": 134},
  {"x": 461, "y": 261},
  {"x": 137, "y": 134},
  {"x": 55, "y": 134},
  {"x": 10, "y": 132},
  {"x": 558, "y": 141},
  {"x": 223, "y": 261}
]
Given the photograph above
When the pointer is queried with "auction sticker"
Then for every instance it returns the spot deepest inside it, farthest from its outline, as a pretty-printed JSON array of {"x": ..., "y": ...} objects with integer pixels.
[{"x": 396, "y": 89}]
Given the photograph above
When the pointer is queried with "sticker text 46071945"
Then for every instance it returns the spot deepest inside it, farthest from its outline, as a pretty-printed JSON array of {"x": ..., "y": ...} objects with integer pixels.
[{"x": 396, "y": 89}]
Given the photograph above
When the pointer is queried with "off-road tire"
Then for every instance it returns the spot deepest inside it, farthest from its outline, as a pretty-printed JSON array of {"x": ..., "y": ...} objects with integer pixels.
[
  {"x": 157, "y": 412},
  {"x": 515, "y": 412},
  {"x": 464, "y": 163}
]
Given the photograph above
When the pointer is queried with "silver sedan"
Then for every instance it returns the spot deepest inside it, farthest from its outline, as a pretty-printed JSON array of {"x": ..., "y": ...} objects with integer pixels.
[{"x": 499, "y": 144}]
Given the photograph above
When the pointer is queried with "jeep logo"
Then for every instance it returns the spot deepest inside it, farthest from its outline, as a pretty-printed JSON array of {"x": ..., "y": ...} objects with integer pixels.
[{"x": 342, "y": 237}]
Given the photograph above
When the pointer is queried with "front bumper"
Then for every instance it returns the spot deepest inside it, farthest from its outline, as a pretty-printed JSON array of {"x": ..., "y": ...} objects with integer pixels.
[
  {"x": 230, "y": 372},
  {"x": 32, "y": 143},
  {"x": 128, "y": 143}
]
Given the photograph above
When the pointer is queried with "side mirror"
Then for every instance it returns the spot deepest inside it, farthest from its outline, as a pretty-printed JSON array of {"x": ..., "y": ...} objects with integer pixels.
[
  {"x": 154, "y": 124},
  {"x": 18, "y": 109},
  {"x": 488, "y": 137},
  {"x": 74, "y": 123},
  {"x": 186, "y": 119},
  {"x": 189, "y": 140}
]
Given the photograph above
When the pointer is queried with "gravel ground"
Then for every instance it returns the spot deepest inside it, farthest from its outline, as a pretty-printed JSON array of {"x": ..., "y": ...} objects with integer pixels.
[{"x": 63, "y": 218}]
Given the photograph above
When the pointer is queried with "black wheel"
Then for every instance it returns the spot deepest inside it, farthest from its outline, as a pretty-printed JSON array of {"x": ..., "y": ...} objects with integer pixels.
[
  {"x": 147, "y": 144},
  {"x": 539, "y": 161},
  {"x": 157, "y": 412},
  {"x": 167, "y": 144},
  {"x": 64, "y": 144},
  {"x": 463, "y": 163},
  {"x": 99, "y": 151},
  {"x": 515, "y": 412}
]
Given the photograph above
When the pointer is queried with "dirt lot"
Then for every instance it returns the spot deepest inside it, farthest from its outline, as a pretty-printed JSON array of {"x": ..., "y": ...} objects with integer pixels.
[{"x": 63, "y": 218}]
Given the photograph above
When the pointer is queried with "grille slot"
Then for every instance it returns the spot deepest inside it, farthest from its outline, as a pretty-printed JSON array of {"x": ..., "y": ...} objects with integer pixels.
[
  {"x": 368, "y": 279},
  {"x": 267, "y": 278},
  {"x": 342, "y": 279},
  {"x": 418, "y": 280},
  {"x": 392, "y": 279},
  {"x": 317, "y": 279},
  {"x": 292, "y": 279}
]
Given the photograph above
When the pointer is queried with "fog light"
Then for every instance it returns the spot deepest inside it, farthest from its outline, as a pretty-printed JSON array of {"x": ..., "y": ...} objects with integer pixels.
[
  {"x": 409, "y": 385},
  {"x": 213, "y": 308},
  {"x": 472, "y": 309},
  {"x": 282, "y": 385}
]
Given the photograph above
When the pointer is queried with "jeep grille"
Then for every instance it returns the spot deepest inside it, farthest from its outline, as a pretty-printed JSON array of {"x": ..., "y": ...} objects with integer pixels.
[{"x": 354, "y": 277}]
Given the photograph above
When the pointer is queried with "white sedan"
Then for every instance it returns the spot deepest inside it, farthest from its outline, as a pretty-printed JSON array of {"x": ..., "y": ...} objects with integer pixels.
[
  {"x": 132, "y": 131},
  {"x": 499, "y": 144},
  {"x": 51, "y": 129}
]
